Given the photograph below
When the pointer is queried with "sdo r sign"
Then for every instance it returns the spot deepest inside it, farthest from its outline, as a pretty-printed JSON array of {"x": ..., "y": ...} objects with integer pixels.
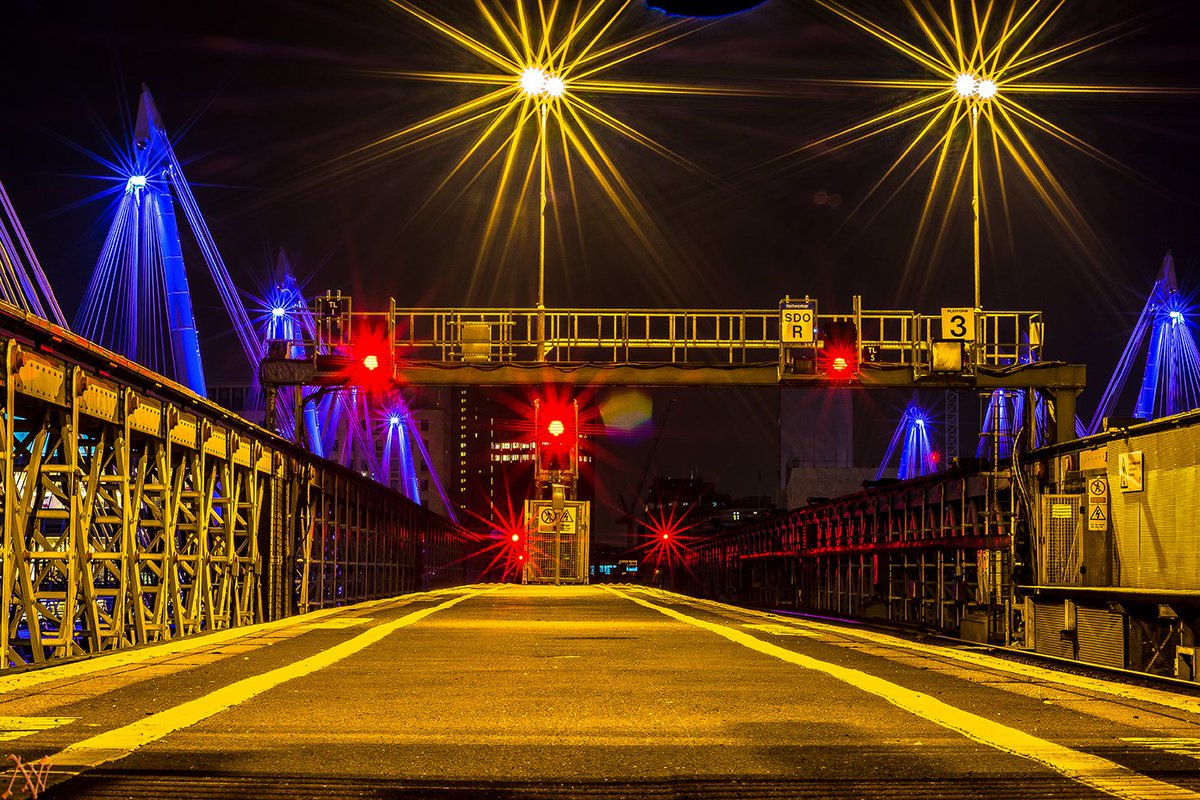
[{"x": 797, "y": 321}]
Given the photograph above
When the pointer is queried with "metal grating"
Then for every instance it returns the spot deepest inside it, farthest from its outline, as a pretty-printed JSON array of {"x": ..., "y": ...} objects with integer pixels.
[
  {"x": 556, "y": 556},
  {"x": 1059, "y": 545}
]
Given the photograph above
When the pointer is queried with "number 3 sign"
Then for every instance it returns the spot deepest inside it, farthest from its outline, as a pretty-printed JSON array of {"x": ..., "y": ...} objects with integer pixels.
[{"x": 958, "y": 323}]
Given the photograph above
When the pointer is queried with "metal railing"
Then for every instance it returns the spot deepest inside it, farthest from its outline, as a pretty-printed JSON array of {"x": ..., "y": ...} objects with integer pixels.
[
  {"x": 694, "y": 337},
  {"x": 135, "y": 511}
]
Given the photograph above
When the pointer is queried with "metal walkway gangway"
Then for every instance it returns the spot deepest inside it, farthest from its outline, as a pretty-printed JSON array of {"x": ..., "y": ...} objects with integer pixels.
[
  {"x": 135, "y": 511},
  {"x": 787, "y": 345}
]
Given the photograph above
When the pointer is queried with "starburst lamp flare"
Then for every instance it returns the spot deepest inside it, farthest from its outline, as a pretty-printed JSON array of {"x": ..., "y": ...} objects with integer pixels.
[{"x": 533, "y": 81}]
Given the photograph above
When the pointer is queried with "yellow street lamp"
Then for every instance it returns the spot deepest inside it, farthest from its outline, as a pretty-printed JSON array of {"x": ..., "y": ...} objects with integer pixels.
[
  {"x": 976, "y": 91},
  {"x": 544, "y": 88}
]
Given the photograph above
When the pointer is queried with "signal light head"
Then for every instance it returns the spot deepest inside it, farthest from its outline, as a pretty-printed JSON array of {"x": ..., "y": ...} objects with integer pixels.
[{"x": 838, "y": 357}]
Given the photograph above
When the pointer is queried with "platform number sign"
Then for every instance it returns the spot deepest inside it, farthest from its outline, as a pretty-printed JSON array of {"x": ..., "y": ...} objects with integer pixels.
[
  {"x": 797, "y": 321},
  {"x": 958, "y": 324}
]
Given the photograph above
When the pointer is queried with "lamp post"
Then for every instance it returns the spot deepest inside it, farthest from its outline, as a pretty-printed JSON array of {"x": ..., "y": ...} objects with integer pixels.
[
  {"x": 976, "y": 92},
  {"x": 544, "y": 88}
]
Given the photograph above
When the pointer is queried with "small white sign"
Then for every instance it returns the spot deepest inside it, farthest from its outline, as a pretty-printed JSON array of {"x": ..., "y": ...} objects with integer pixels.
[
  {"x": 959, "y": 324},
  {"x": 1098, "y": 516},
  {"x": 1129, "y": 466},
  {"x": 1097, "y": 490},
  {"x": 1062, "y": 511},
  {"x": 797, "y": 321}
]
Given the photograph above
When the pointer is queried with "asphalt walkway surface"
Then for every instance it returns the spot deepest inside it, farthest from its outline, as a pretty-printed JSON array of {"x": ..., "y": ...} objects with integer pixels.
[{"x": 614, "y": 692}]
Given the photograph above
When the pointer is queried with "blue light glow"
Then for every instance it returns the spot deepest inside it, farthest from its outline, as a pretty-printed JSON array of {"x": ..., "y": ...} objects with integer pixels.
[
  {"x": 917, "y": 456},
  {"x": 135, "y": 182}
]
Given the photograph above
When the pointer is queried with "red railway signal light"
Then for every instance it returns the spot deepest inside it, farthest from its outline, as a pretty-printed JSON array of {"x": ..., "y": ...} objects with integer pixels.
[
  {"x": 556, "y": 432},
  {"x": 838, "y": 358}
]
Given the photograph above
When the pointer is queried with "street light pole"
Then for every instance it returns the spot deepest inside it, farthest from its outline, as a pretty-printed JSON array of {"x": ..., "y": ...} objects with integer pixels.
[
  {"x": 975, "y": 91},
  {"x": 975, "y": 189},
  {"x": 541, "y": 298}
]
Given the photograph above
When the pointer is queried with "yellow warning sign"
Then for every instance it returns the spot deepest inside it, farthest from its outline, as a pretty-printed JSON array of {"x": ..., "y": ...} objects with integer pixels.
[
  {"x": 550, "y": 520},
  {"x": 1098, "y": 517}
]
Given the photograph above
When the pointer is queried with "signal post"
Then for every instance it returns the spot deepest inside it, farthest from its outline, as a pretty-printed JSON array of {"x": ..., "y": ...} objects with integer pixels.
[{"x": 557, "y": 525}]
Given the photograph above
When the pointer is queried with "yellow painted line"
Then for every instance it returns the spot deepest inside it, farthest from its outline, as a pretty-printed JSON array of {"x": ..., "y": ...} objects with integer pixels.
[
  {"x": 1143, "y": 694},
  {"x": 119, "y": 658},
  {"x": 338, "y": 624},
  {"x": 1099, "y": 773},
  {"x": 120, "y": 742},
  {"x": 782, "y": 630},
  {"x": 16, "y": 727}
]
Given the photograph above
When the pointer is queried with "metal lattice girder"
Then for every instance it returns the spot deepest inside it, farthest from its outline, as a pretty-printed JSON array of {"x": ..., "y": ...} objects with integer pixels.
[
  {"x": 919, "y": 539},
  {"x": 134, "y": 511}
]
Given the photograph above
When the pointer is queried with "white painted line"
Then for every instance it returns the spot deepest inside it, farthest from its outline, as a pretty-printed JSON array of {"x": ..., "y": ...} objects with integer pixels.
[
  {"x": 120, "y": 742},
  {"x": 1099, "y": 773}
]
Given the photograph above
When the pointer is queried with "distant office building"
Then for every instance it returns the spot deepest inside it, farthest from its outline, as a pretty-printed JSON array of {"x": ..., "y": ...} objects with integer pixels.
[
  {"x": 817, "y": 455},
  {"x": 492, "y": 454}
]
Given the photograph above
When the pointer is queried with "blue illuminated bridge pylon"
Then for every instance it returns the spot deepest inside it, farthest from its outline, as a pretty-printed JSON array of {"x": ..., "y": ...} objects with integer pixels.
[
  {"x": 23, "y": 283},
  {"x": 138, "y": 302},
  {"x": 350, "y": 426},
  {"x": 917, "y": 454},
  {"x": 1171, "y": 376}
]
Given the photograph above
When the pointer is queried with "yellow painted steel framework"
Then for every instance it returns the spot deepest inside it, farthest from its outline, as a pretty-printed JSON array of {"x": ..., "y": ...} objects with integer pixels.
[
  {"x": 935, "y": 552},
  {"x": 660, "y": 347},
  {"x": 433, "y": 342},
  {"x": 134, "y": 511}
]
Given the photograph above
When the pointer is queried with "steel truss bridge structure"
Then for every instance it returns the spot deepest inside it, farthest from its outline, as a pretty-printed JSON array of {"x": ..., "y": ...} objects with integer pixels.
[
  {"x": 657, "y": 347},
  {"x": 135, "y": 511},
  {"x": 935, "y": 551}
]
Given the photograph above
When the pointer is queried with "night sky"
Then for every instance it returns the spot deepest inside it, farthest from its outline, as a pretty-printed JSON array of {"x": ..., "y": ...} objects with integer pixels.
[{"x": 262, "y": 96}]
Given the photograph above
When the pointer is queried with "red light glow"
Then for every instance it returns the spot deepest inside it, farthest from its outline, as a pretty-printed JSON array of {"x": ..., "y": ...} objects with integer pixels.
[
  {"x": 839, "y": 362},
  {"x": 371, "y": 368},
  {"x": 556, "y": 427}
]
